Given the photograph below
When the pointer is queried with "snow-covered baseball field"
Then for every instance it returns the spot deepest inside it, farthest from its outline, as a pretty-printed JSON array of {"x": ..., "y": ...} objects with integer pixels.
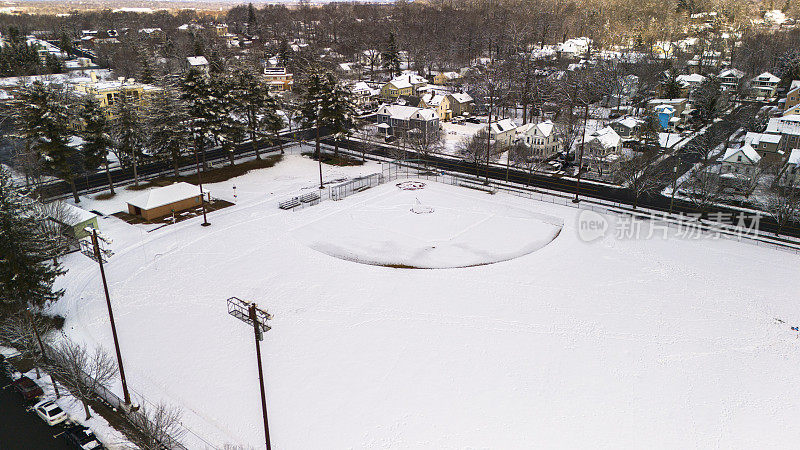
[{"x": 631, "y": 343}]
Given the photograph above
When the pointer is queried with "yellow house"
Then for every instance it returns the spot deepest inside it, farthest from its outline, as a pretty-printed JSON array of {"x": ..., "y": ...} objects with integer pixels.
[
  {"x": 439, "y": 103},
  {"x": 108, "y": 93},
  {"x": 395, "y": 88},
  {"x": 402, "y": 85},
  {"x": 443, "y": 78}
]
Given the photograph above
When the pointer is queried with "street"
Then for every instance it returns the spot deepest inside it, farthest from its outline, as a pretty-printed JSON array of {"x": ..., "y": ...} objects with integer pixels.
[{"x": 20, "y": 429}]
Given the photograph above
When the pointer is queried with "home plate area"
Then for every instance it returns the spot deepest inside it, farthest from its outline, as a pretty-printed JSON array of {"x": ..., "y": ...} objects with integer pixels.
[{"x": 428, "y": 225}]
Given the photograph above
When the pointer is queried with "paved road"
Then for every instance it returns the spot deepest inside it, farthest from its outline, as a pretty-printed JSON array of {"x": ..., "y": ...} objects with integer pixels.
[{"x": 22, "y": 430}]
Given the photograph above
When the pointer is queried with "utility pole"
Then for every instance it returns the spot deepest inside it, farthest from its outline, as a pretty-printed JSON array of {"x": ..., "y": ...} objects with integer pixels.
[
  {"x": 251, "y": 314},
  {"x": 99, "y": 255},
  {"x": 319, "y": 150},
  {"x": 580, "y": 160},
  {"x": 489, "y": 130},
  {"x": 200, "y": 182}
]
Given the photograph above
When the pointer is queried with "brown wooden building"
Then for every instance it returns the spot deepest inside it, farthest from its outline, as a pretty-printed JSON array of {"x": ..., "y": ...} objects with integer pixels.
[{"x": 166, "y": 200}]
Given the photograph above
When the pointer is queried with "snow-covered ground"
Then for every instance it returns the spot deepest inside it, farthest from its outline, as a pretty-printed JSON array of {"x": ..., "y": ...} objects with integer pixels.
[{"x": 667, "y": 343}]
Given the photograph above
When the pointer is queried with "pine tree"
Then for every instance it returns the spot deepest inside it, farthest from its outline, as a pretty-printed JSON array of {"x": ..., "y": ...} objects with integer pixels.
[
  {"x": 312, "y": 103},
  {"x": 27, "y": 252},
  {"x": 226, "y": 128},
  {"x": 251, "y": 18},
  {"x": 198, "y": 93},
  {"x": 168, "y": 125},
  {"x": 96, "y": 138},
  {"x": 284, "y": 53},
  {"x": 390, "y": 58},
  {"x": 339, "y": 112},
  {"x": 127, "y": 131},
  {"x": 43, "y": 115},
  {"x": 256, "y": 105}
]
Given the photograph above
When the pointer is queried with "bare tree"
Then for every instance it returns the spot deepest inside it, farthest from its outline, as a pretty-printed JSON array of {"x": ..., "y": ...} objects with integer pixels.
[
  {"x": 158, "y": 426},
  {"x": 783, "y": 203},
  {"x": 640, "y": 177},
  {"x": 19, "y": 331},
  {"x": 82, "y": 372},
  {"x": 475, "y": 149},
  {"x": 425, "y": 144}
]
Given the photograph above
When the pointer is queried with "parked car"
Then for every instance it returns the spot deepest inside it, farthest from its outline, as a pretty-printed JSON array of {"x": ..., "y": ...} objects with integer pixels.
[
  {"x": 27, "y": 388},
  {"x": 51, "y": 413},
  {"x": 78, "y": 436}
]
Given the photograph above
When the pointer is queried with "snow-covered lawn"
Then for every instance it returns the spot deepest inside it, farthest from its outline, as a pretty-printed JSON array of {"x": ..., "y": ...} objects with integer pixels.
[
  {"x": 664, "y": 343},
  {"x": 454, "y": 134}
]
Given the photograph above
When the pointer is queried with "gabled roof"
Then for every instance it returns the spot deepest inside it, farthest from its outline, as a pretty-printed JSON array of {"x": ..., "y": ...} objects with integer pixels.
[
  {"x": 766, "y": 76},
  {"x": 425, "y": 114},
  {"x": 503, "y": 126},
  {"x": 165, "y": 195},
  {"x": 629, "y": 122},
  {"x": 731, "y": 73},
  {"x": 433, "y": 99},
  {"x": 461, "y": 97},
  {"x": 606, "y": 137},
  {"x": 747, "y": 150},
  {"x": 398, "y": 111},
  {"x": 694, "y": 78}
]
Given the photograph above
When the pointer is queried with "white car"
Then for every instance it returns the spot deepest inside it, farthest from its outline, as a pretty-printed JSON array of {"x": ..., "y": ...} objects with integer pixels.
[{"x": 51, "y": 413}]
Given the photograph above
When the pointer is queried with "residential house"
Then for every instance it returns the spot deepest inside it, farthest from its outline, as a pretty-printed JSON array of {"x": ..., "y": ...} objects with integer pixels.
[
  {"x": 444, "y": 78},
  {"x": 503, "y": 133},
  {"x": 764, "y": 85},
  {"x": 163, "y": 201},
  {"x": 739, "y": 163},
  {"x": 790, "y": 175},
  {"x": 439, "y": 103},
  {"x": 575, "y": 47},
  {"x": 627, "y": 127},
  {"x": 788, "y": 127},
  {"x": 402, "y": 85},
  {"x": 671, "y": 117},
  {"x": 461, "y": 104},
  {"x": 689, "y": 83},
  {"x": 730, "y": 78},
  {"x": 199, "y": 63},
  {"x": 765, "y": 144},
  {"x": 602, "y": 151},
  {"x": 792, "y": 104},
  {"x": 278, "y": 79},
  {"x": 109, "y": 93},
  {"x": 363, "y": 94},
  {"x": 396, "y": 120},
  {"x": 540, "y": 138}
]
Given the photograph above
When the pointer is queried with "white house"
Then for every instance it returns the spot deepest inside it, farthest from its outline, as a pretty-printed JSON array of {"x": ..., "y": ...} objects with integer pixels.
[
  {"x": 503, "y": 132},
  {"x": 788, "y": 127},
  {"x": 764, "y": 85},
  {"x": 398, "y": 119},
  {"x": 730, "y": 78},
  {"x": 602, "y": 151},
  {"x": 741, "y": 162},
  {"x": 199, "y": 63},
  {"x": 363, "y": 94},
  {"x": 539, "y": 137},
  {"x": 575, "y": 47}
]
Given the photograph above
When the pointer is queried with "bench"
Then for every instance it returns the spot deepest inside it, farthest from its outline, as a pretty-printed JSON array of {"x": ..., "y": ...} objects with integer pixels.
[
  {"x": 311, "y": 197},
  {"x": 361, "y": 188},
  {"x": 289, "y": 204}
]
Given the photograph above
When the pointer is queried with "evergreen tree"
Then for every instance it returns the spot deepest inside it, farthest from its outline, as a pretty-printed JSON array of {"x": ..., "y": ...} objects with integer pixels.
[
  {"x": 169, "y": 126},
  {"x": 340, "y": 111},
  {"x": 127, "y": 130},
  {"x": 390, "y": 58},
  {"x": 43, "y": 116},
  {"x": 27, "y": 252},
  {"x": 284, "y": 53},
  {"x": 198, "y": 93},
  {"x": 251, "y": 18},
  {"x": 226, "y": 128},
  {"x": 311, "y": 106},
  {"x": 256, "y": 105},
  {"x": 96, "y": 138}
]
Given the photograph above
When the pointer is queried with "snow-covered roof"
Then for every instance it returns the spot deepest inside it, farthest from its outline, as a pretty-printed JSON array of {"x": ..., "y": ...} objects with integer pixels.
[
  {"x": 407, "y": 80},
  {"x": 795, "y": 84},
  {"x": 503, "y": 126},
  {"x": 767, "y": 77},
  {"x": 78, "y": 215},
  {"x": 755, "y": 139},
  {"x": 425, "y": 114},
  {"x": 606, "y": 137},
  {"x": 433, "y": 99},
  {"x": 788, "y": 124},
  {"x": 731, "y": 73},
  {"x": 694, "y": 78},
  {"x": 747, "y": 150},
  {"x": 629, "y": 122},
  {"x": 461, "y": 97},
  {"x": 197, "y": 60},
  {"x": 165, "y": 195},
  {"x": 397, "y": 111},
  {"x": 794, "y": 157}
]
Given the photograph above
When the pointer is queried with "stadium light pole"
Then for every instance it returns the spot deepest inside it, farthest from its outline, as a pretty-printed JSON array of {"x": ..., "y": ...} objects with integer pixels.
[
  {"x": 202, "y": 195},
  {"x": 99, "y": 255},
  {"x": 251, "y": 314}
]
